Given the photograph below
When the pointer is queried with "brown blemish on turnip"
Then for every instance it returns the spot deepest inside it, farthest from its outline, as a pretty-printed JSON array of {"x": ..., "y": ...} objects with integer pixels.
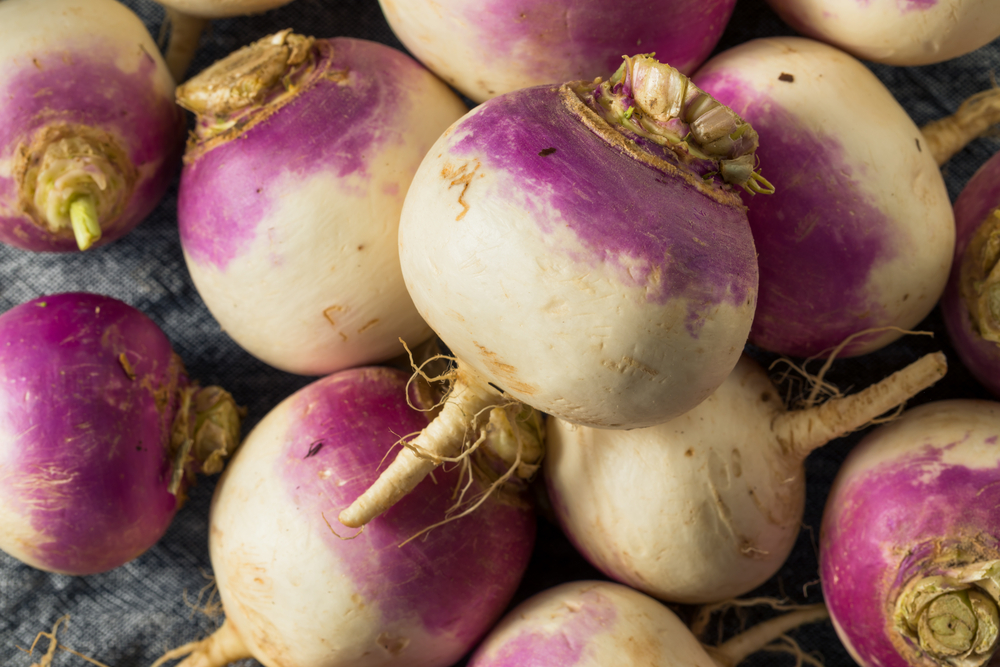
[
  {"x": 330, "y": 312},
  {"x": 368, "y": 325},
  {"x": 506, "y": 371},
  {"x": 628, "y": 364},
  {"x": 460, "y": 176}
]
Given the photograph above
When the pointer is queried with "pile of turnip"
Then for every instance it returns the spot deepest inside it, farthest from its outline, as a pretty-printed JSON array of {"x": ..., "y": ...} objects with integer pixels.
[{"x": 556, "y": 366}]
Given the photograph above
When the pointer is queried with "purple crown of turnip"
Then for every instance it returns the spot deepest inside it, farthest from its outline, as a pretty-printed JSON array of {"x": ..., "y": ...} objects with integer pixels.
[
  {"x": 87, "y": 123},
  {"x": 291, "y": 192},
  {"x": 101, "y": 432},
  {"x": 578, "y": 251}
]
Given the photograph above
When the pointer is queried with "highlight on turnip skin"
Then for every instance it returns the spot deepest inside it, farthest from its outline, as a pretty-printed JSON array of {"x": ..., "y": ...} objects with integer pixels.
[
  {"x": 707, "y": 506},
  {"x": 291, "y": 193},
  {"x": 300, "y": 590},
  {"x": 101, "y": 432},
  {"x": 604, "y": 624},
  {"x": 896, "y": 33},
  {"x": 579, "y": 249},
  {"x": 188, "y": 19},
  {"x": 970, "y": 305},
  {"x": 492, "y": 47},
  {"x": 90, "y": 136},
  {"x": 909, "y": 551},
  {"x": 861, "y": 205}
]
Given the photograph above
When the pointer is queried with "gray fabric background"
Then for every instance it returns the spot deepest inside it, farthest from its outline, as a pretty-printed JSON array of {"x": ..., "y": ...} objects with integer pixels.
[{"x": 128, "y": 617}]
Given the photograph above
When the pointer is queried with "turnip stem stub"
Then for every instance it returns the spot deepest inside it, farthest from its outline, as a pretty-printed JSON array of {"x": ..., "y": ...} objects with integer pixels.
[
  {"x": 802, "y": 431},
  {"x": 735, "y": 650},
  {"x": 222, "y": 647},
  {"x": 84, "y": 218},
  {"x": 947, "y": 136},
  {"x": 463, "y": 413}
]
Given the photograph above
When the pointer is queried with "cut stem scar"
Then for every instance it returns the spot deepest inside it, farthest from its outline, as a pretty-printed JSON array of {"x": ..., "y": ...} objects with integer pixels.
[{"x": 84, "y": 218}]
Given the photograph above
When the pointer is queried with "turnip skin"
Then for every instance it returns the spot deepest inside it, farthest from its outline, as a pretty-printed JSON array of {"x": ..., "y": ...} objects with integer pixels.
[
  {"x": 916, "y": 498},
  {"x": 85, "y": 464},
  {"x": 90, "y": 63},
  {"x": 543, "y": 245},
  {"x": 976, "y": 211},
  {"x": 289, "y": 227},
  {"x": 859, "y": 203},
  {"x": 896, "y": 33},
  {"x": 496, "y": 46},
  {"x": 218, "y": 9},
  {"x": 707, "y": 506},
  {"x": 284, "y": 577}
]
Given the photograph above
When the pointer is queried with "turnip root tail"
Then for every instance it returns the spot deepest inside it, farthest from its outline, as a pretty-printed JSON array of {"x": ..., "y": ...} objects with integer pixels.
[
  {"x": 974, "y": 118},
  {"x": 802, "y": 431},
  {"x": 222, "y": 647},
  {"x": 465, "y": 412},
  {"x": 735, "y": 650},
  {"x": 185, "y": 33}
]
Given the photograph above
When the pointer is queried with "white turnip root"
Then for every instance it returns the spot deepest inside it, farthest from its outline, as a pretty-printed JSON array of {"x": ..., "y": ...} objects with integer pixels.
[
  {"x": 706, "y": 506},
  {"x": 491, "y": 47},
  {"x": 971, "y": 302},
  {"x": 101, "y": 432},
  {"x": 860, "y": 233},
  {"x": 604, "y": 624},
  {"x": 291, "y": 193},
  {"x": 90, "y": 136},
  {"x": 300, "y": 590},
  {"x": 919, "y": 32},
  {"x": 909, "y": 547},
  {"x": 580, "y": 250}
]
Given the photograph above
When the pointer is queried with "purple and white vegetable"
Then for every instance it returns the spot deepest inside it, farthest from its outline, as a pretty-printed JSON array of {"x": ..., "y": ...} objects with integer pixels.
[
  {"x": 599, "y": 623},
  {"x": 492, "y": 47},
  {"x": 101, "y": 432},
  {"x": 706, "y": 506},
  {"x": 971, "y": 302},
  {"x": 909, "y": 547},
  {"x": 90, "y": 136},
  {"x": 860, "y": 233},
  {"x": 915, "y": 32},
  {"x": 300, "y": 590},
  {"x": 578, "y": 250},
  {"x": 291, "y": 193}
]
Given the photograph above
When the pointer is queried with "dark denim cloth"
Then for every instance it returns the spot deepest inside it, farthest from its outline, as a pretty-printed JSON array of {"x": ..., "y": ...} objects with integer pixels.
[{"x": 128, "y": 617}]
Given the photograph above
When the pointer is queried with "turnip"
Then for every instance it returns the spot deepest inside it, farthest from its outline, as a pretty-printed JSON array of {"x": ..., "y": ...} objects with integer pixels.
[
  {"x": 90, "y": 136},
  {"x": 492, "y": 47},
  {"x": 706, "y": 506},
  {"x": 189, "y": 18},
  {"x": 604, "y": 624},
  {"x": 101, "y": 431},
  {"x": 577, "y": 249},
  {"x": 896, "y": 33},
  {"x": 970, "y": 305},
  {"x": 909, "y": 551},
  {"x": 300, "y": 590},
  {"x": 860, "y": 233},
  {"x": 291, "y": 192}
]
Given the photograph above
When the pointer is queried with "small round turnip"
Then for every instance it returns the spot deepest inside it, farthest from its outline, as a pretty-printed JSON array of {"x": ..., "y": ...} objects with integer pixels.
[{"x": 90, "y": 136}]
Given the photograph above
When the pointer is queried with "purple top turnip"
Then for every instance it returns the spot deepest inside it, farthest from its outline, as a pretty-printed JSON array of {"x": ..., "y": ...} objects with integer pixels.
[
  {"x": 577, "y": 248},
  {"x": 291, "y": 193},
  {"x": 90, "y": 136},
  {"x": 706, "y": 506},
  {"x": 491, "y": 47},
  {"x": 857, "y": 242},
  {"x": 894, "y": 32},
  {"x": 301, "y": 590},
  {"x": 971, "y": 301},
  {"x": 100, "y": 432},
  {"x": 909, "y": 546}
]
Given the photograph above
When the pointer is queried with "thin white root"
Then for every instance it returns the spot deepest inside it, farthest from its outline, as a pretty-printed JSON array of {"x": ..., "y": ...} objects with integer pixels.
[
  {"x": 802, "y": 431},
  {"x": 185, "y": 33},
  {"x": 760, "y": 636},
  {"x": 444, "y": 437},
  {"x": 46, "y": 660},
  {"x": 977, "y": 116},
  {"x": 222, "y": 647}
]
